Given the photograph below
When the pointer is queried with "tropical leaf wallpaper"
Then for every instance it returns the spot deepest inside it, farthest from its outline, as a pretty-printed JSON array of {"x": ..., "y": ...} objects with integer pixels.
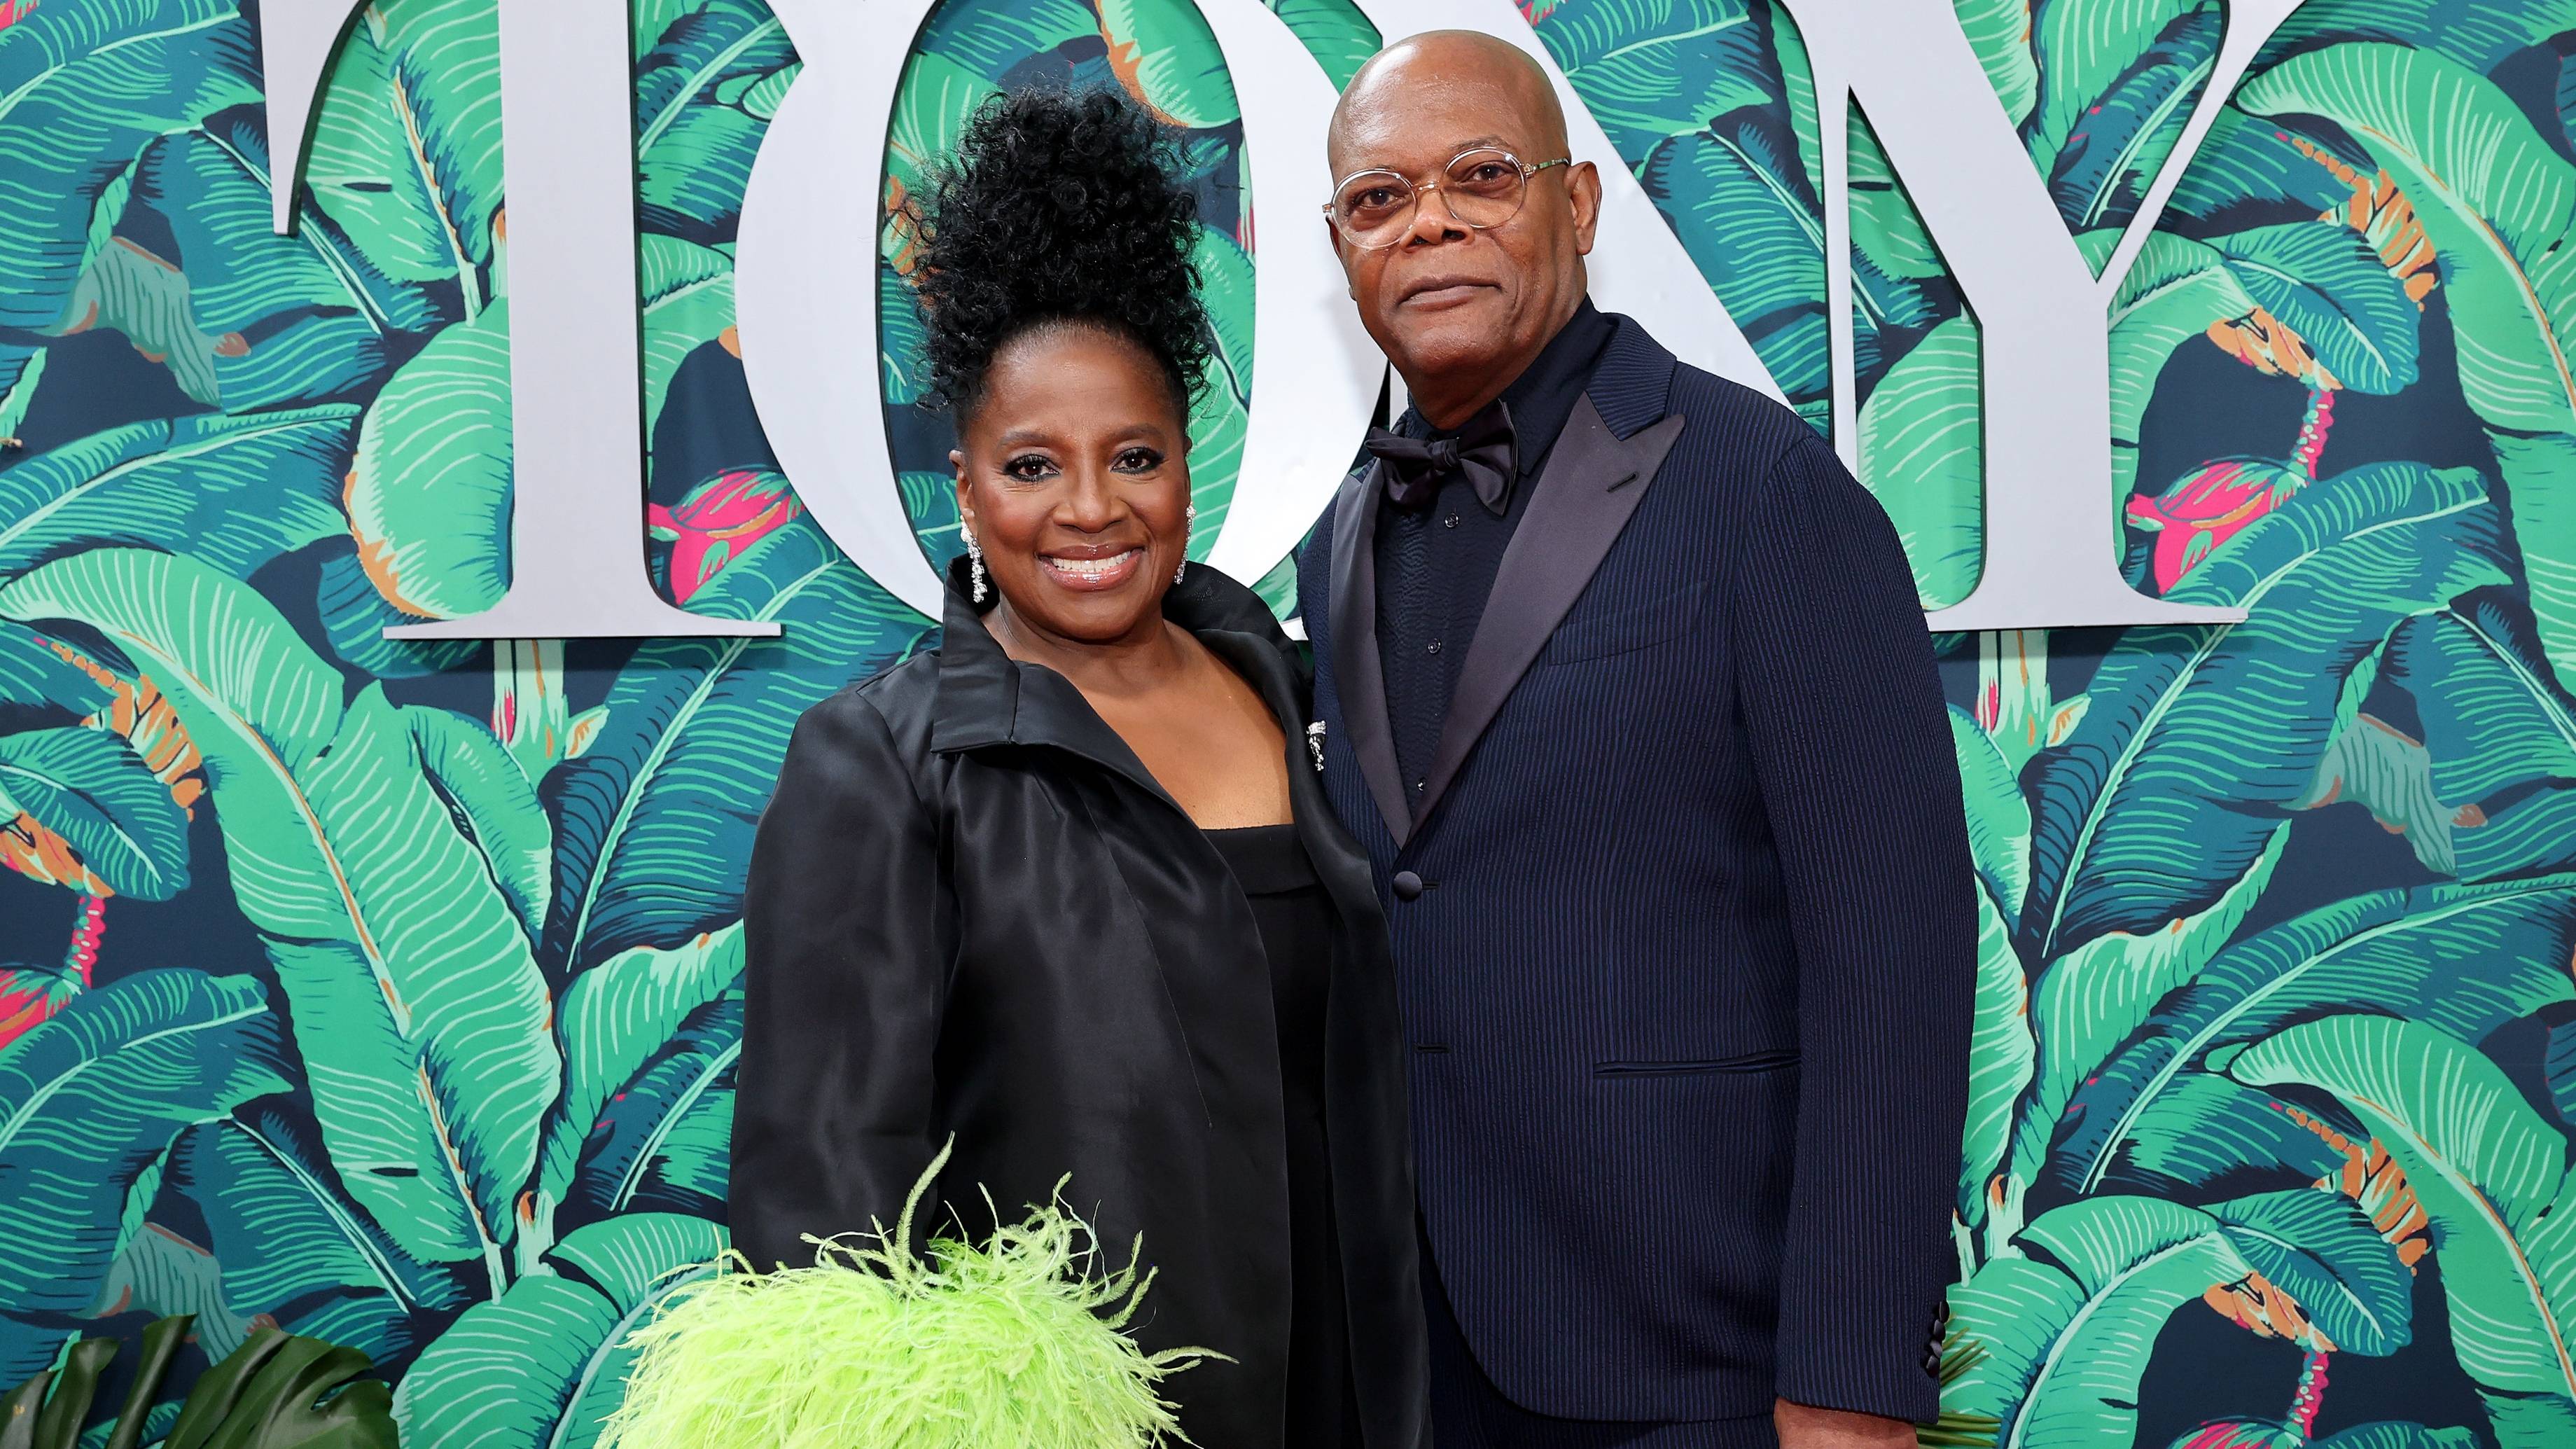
[{"x": 390, "y": 992}]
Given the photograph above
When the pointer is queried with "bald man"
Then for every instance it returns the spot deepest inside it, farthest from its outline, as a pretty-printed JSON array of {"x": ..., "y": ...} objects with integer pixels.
[{"x": 1625, "y": 689}]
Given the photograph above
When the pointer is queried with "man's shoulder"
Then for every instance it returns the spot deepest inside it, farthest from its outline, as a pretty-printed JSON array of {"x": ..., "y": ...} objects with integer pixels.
[
  {"x": 1752, "y": 422},
  {"x": 1729, "y": 424}
]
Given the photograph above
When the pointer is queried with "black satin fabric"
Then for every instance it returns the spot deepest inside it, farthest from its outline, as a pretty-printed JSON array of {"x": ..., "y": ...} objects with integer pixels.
[{"x": 973, "y": 913}]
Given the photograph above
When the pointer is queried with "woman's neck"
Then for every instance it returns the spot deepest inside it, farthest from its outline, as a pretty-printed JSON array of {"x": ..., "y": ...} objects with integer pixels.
[{"x": 1147, "y": 656}]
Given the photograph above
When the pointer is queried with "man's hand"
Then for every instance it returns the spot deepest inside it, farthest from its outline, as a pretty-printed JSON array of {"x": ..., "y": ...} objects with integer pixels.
[{"x": 1802, "y": 1427}]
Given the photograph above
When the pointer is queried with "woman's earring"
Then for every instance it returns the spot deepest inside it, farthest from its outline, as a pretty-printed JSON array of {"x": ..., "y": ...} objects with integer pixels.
[
  {"x": 1189, "y": 516},
  {"x": 974, "y": 562}
]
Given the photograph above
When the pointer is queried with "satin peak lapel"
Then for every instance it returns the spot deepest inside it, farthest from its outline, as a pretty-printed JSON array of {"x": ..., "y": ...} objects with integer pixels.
[
  {"x": 1589, "y": 489},
  {"x": 1358, "y": 672}
]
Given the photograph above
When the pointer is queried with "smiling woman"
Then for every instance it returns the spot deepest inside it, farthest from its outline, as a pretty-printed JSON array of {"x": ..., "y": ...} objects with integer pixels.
[
  {"x": 1163, "y": 55},
  {"x": 1064, "y": 889}
]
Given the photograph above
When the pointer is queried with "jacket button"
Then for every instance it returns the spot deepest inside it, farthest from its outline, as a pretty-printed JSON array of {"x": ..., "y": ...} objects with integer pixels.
[{"x": 1408, "y": 886}]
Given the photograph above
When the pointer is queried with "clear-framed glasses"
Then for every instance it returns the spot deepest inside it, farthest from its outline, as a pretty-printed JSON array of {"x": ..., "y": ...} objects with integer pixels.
[{"x": 1483, "y": 187}]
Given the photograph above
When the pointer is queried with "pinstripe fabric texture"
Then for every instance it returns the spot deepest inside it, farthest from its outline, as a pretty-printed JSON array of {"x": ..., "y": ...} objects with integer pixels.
[
  {"x": 1468, "y": 1412},
  {"x": 1688, "y": 991}
]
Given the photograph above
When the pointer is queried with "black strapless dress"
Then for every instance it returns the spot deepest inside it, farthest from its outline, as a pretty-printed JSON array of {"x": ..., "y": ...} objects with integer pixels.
[{"x": 1296, "y": 923}]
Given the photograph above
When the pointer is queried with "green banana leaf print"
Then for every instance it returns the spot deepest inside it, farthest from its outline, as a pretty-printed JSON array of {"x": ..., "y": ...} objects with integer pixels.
[
  {"x": 119, "y": 1072},
  {"x": 2487, "y": 1170},
  {"x": 389, "y": 992}
]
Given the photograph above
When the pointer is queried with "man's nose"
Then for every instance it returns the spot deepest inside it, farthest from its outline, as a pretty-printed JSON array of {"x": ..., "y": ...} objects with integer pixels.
[{"x": 1433, "y": 221}]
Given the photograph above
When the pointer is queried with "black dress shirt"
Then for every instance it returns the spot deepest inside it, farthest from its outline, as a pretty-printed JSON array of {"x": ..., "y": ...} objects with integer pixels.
[{"x": 1436, "y": 565}]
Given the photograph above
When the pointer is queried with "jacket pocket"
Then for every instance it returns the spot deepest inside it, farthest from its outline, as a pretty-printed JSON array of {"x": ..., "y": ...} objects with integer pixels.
[
  {"x": 1771, "y": 1061},
  {"x": 1627, "y": 630}
]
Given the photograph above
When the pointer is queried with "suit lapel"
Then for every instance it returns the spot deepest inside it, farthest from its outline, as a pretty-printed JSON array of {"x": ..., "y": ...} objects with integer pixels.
[
  {"x": 1591, "y": 485},
  {"x": 1357, "y": 670}
]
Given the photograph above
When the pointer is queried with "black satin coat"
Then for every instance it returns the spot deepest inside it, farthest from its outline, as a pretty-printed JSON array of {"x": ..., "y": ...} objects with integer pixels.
[{"x": 972, "y": 911}]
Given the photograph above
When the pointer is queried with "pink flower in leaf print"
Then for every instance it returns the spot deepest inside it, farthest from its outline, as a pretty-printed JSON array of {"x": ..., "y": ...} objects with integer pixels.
[
  {"x": 717, "y": 521},
  {"x": 30, "y": 995},
  {"x": 2208, "y": 508},
  {"x": 27, "y": 998},
  {"x": 2240, "y": 1434},
  {"x": 11, "y": 12}
]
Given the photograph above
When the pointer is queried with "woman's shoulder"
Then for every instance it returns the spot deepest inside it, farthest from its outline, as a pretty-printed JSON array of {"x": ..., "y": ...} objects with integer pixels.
[
  {"x": 887, "y": 713},
  {"x": 904, "y": 686}
]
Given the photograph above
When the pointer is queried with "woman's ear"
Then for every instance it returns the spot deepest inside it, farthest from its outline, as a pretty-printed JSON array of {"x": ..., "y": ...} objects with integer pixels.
[{"x": 957, "y": 460}]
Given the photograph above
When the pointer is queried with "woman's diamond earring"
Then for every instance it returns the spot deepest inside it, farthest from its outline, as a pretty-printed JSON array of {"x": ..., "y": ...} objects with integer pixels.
[
  {"x": 974, "y": 562},
  {"x": 1189, "y": 516}
]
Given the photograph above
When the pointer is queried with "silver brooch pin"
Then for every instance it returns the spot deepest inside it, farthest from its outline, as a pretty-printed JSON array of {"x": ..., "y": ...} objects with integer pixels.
[{"x": 1315, "y": 744}]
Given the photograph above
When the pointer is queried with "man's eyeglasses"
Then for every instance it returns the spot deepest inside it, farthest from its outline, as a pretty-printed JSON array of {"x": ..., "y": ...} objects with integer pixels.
[{"x": 1483, "y": 188}]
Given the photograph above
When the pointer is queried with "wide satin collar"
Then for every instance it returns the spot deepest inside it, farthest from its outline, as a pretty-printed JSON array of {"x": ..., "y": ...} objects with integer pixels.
[{"x": 988, "y": 698}]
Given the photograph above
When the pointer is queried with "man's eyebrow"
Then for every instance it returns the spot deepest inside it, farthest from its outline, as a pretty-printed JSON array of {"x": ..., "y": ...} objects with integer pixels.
[
  {"x": 1460, "y": 148},
  {"x": 1488, "y": 141}
]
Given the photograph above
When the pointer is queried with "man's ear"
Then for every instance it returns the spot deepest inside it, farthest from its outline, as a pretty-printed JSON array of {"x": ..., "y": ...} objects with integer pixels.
[{"x": 1583, "y": 191}]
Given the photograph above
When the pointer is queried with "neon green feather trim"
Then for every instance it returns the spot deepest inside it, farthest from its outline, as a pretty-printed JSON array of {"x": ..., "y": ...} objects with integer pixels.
[{"x": 1012, "y": 1344}]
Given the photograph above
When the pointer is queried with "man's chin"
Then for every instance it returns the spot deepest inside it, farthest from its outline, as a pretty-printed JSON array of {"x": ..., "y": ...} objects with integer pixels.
[{"x": 1457, "y": 346}]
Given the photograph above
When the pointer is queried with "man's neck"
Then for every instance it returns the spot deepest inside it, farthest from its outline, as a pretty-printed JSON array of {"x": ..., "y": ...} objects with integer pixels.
[
  {"x": 1444, "y": 415},
  {"x": 1448, "y": 400}
]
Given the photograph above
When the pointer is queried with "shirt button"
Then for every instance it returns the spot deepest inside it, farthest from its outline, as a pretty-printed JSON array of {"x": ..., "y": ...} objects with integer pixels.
[
  {"x": 1450, "y": 522},
  {"x": 1433, "y": 647},
  {"x": 1408, "y": 886}
]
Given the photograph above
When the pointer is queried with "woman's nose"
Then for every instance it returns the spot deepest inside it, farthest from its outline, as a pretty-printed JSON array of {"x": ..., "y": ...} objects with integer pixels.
[{"x": 1090, "y": 504}]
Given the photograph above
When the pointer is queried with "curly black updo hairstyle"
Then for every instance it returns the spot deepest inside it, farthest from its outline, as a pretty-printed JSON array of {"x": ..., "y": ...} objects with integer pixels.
[{"x": 1059, "y": 207}]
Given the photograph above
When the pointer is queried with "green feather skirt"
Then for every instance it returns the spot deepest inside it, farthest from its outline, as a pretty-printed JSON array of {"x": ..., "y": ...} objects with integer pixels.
[{"x": 1015, "y": 1343}]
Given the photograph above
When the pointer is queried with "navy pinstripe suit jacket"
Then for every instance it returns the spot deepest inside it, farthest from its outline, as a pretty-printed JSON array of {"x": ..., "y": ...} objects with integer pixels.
[{"x": 1683, "y": 927}]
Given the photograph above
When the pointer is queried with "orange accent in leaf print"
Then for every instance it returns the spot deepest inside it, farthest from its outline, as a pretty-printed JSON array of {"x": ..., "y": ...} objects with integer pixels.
[
  {"x": 2256, "y": 1303},
  {"x": 1127, "y": 62},
  {"x": 40, "y": 855},
  {"x": 375, "y": 559},
  {"x": 142, "y": 716},
  {"x": 2269, "y": 346},
  {"x": 2373, "y": 1179},
  {"x": 2381, "y": 212},
  {"x": 375, "y": 555},
  {"x": 903, "y": 227}
]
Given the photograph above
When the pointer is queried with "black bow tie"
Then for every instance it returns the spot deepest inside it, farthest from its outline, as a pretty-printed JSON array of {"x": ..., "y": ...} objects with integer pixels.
[{"x": 1481, "y": 451}]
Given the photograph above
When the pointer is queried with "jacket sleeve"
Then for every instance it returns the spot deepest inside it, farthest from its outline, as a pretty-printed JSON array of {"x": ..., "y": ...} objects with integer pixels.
[
  {"x": 1851, "y": 750},
  {"x": 847, "y": 936}
]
